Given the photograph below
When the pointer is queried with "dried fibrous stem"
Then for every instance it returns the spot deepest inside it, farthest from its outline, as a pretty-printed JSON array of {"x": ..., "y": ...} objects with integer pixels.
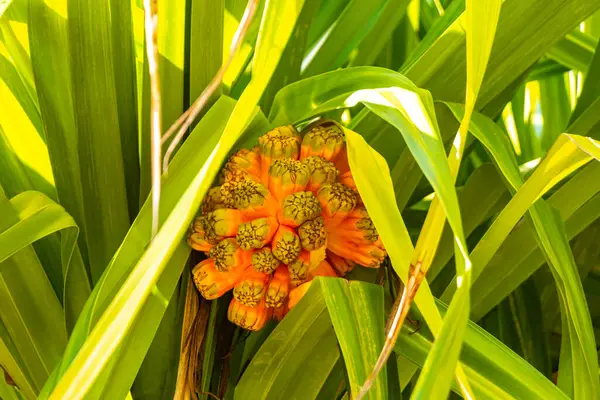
[
  {"x": 151, "y": 27},
  {"x": 195, "y": 321},
  {"x": 187, "y": 118}
]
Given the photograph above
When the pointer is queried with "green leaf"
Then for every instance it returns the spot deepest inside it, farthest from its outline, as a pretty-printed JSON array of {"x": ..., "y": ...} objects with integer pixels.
[
  {"x": 569, "y": 153},
  {"x": 356, "y": 310},
  {"x": 354, "y": 23},
  {"x": 525, "y": 31},
  {"x": 3, "y": 6},
  {"x": 17, "y": 46},
  {"x": 373, "y": 43},
  {"x": 409, "y": 112},
  {"x": 123, "y": 60},
  {"x": 335, "y": 385},
  {"x": 39, "y": 216},
  {"x": 206, "y": 45},
  {"x": 481, "y": 21},
  {"x": 99, "y": 139},
  {"x": 184, "y": 167},
  {"x": 288, "y": 70},
  {"x": 31, "y": 313},
  {"x": 110, "y": 331},
  {"x": 23, "y": 156},
  {"x": 376, "y": 191},
  {"x": 484, "y": 194},
  {"x": 555, "y": 109},
  {"x": 577, "y": 201},
  {"x": 22, "y": 136},
  {"x": 528, "y": 140},
  {"x": 50, "y": 59},
  {"x": 329, "y": 91},
  {"x": 527, "y": 311},
  {"x": 494, "y": 371},
  {"x": 587, "y": 101},
  {"x": 575, "y": 50},
  {"x": 13, "y": 365}
]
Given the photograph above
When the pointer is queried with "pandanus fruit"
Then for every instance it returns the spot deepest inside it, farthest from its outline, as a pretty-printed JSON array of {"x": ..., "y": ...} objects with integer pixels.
[{"x": 281, "y": 214}]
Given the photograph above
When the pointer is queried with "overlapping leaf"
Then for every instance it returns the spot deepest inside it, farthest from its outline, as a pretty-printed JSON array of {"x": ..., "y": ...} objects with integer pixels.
[
  {"x": 569, "y": 153},
  {"x": 115, "y": 322}
]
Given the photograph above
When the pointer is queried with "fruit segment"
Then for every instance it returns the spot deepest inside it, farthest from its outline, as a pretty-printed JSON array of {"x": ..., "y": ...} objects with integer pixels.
[
  {"x": 251, "y": 288},
  {"x": 325, "y": 140},
  {"x": 251, "y": 318},
  {"x": 227, "y": 255},
  {"x": 256, "y": 233},
  {"x": 298, "y": 208},
  {"x": 313, "y": 234},
  {"x": 263, "y": 260},
  {"x": 213, "y": 284},
  {"x": 287, "y": 176},
  {"x": 286, "y": 245},
  {"x": 337, "y": 201},
  {"x": 279, "y": 288},
  {"x": 320, "y": 171}
]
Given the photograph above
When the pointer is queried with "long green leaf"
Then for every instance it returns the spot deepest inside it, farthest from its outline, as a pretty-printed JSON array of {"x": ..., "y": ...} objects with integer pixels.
[
  {"x": 288, "y": 70},
  {"x": 493, "y": 369},
  {"x": 16, "y": 42},
  {"x": 577, "y": 201},
  {"x": 123, "y": 59},
  {"x": 377, "y": 193},
  {"x": 587, "y": 101},
  {"x": 484, "y": 194},
  {"x": 555, "y": 109},
  {"x": 356, "y": 311},
  {"x": 16, "y": 176},
  {"x": 411, "y": 112},
  {"x": 39, "y": 216},
  {"x": 99, "y": 138},
  {"x": 23, "y": 135},
  {"x": 50, "y": 55},
  {"x": 569, "y": 153},
  {"x": 373, "y": 43},
  {"x": 575, "y": 50},
  {"x": 184, "y": 167},
  {"x": 31, "y": 313},
  {"x": 355, "y": 22},
  {"x": 13, "y": 365},
  {"x": 206, "y": 45},
  {"x": 119, "y": 316},
  {"x": 481, "y": 21},
  {"x": 526, "y": 29}
]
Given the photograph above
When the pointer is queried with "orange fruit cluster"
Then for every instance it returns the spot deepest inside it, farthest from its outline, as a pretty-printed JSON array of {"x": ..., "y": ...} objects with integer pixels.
[{"x": 282, "y": 213}]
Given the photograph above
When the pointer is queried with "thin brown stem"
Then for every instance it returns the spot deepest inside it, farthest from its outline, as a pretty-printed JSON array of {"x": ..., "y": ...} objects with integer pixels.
[
  {"x": 201, "y": 101},
  {"x": 394, "y": 325},
  {"x": 151, "y": 25},
  {"x": 175, "y": 125},
  {"x": 214, "y": 396}
]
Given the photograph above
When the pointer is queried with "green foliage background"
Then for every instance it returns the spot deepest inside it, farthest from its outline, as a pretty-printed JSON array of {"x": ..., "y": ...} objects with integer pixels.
[{"x": 91, "y": 308}]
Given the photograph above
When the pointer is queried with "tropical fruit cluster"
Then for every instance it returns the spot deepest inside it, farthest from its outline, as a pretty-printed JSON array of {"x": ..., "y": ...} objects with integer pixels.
[{"x": 281, "y": 214}]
